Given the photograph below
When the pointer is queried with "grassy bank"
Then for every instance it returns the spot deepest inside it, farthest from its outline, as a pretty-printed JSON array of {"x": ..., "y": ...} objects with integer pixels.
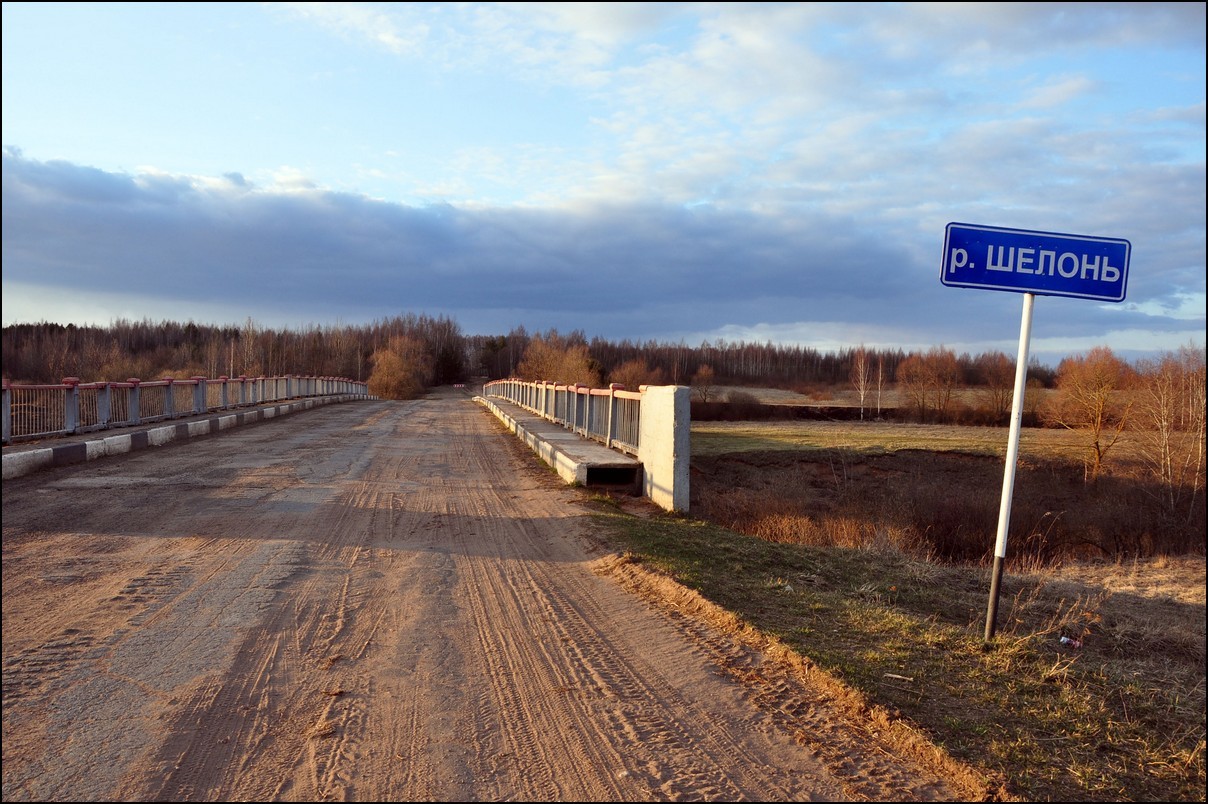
[
  {"x": 840, "y": 540},
  {"x": 1119, "y": 718}
]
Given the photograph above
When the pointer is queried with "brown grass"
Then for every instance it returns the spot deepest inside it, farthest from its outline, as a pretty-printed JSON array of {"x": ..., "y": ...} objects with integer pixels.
[
  {"x": 933, "y": 491},
  {"x": 865, "y": 551}
]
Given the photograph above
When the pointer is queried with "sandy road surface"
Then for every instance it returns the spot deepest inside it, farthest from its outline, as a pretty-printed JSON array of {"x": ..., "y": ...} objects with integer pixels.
[{"x": 375, "y": 601}]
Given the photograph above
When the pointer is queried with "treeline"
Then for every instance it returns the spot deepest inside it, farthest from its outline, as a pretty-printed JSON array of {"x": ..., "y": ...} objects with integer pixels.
[
  {"x": 1098, "y": 394},
  {"x": 46, "y": 353},
  {"x": 769, "y": 365}
]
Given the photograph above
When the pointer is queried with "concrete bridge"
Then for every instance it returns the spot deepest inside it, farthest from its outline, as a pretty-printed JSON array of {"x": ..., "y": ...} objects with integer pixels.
[{"x": 590, "y": 437}]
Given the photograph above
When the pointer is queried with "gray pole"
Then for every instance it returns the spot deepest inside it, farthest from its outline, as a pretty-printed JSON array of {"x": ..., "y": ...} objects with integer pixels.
[{"x": 1008, "y": 478}]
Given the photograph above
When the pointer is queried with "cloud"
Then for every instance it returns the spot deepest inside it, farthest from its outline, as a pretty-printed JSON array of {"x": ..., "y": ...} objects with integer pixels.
[
  {"x": 1059, "y": 91},
  {"x": 364, "y": 21},
  {"x": 628, "y": 271},
  {"x": 639, "y": 170}
]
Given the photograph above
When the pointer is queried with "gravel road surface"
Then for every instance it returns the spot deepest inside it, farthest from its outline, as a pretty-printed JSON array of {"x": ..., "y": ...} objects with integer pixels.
[{"x": 380, "y": 601}]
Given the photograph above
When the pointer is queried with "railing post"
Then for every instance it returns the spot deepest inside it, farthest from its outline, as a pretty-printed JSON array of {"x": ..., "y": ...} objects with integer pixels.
[
  {"x": 133, "y": 403},
  {"x": 8, "y": 413},
  {"x": 242, "y": 389},
  {"x": 222, "y": 392},
  {"x": 71, "y": 404},
  {"x": 169, "y": 398},
  {"x": 199, "y": 395},
  {"x": 574, "y": 421},
  {"x": 104, "y": 405},
  {"x": 611, "y": 430}
]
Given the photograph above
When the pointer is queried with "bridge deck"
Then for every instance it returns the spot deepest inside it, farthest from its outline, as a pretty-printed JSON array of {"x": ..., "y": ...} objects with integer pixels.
[
  {"x": 23, "y": 457},
  {"x": 576, "y": 459}
]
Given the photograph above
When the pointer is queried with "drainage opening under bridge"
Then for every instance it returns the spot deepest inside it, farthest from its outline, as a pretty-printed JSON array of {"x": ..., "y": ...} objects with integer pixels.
[{"x": 617, "y": 477}]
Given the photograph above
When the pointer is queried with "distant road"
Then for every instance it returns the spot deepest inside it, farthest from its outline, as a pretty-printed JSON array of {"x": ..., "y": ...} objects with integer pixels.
[{"x": 376, "y": 601}]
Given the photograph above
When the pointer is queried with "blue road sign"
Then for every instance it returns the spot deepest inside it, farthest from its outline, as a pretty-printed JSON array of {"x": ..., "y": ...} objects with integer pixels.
[{"x": 1044, "y": 263}]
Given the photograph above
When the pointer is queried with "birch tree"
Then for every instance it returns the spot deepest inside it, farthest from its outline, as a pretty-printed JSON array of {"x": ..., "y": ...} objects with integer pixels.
[
  {"x": 861, "y": 378},
  {"x": 1169, "y": 425}
]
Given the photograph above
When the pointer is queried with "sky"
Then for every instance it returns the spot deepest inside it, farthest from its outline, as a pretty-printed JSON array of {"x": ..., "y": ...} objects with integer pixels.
[{"x": 677, "y": 173}]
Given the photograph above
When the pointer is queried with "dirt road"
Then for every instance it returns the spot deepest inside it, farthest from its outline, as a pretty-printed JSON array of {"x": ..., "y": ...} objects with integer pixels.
[{"x": 377, "y": 601}]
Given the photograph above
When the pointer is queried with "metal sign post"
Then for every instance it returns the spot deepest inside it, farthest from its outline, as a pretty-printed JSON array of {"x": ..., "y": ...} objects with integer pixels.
[
  {"x": 1032, "y": 263},
  {"x": 1008, "y": 477}
]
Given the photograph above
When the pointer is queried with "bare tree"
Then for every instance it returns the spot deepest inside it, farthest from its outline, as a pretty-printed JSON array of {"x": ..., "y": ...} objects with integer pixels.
[
  {"x": 880, "y": 381},
  {"x": 1089, "y": 400},
  {"x": 703, "y": 383},
  {"x": 861, "y": 379},
  {"x": 679, "y": 361},
  {"x": 912, "y": 381},
  {"x": 555, "y": 358},
  {"x": 1169, "y": 425},
  {"x": 401, "y": 369},
  {"x": 945, "y": 377},
  {"x": 633, "y": 374},
  {"x": 998, "y": 373},
  {"x": 213, "y": 355},
  {"x": 928, "y": 381}
]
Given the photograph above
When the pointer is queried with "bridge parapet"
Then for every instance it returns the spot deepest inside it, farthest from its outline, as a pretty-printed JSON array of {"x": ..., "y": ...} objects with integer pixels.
[
  {"x": 652, "y": 424},
  {"x": 42, "y": 411}
]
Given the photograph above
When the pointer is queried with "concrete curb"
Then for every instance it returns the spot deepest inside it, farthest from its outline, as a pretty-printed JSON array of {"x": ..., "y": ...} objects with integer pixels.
[
  {"x": 22, "y": 463},
  {"x": 576, "y": 459},
  {"x": 567, "y": 468}
]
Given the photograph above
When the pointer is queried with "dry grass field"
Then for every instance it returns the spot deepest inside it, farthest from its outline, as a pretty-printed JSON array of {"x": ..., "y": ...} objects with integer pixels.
[
  {"x": 933, "y": 491},
  {"x": 863, "y": 547}
]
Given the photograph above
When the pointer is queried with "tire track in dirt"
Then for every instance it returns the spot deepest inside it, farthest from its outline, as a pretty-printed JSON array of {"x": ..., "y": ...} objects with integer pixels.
[
  {"x": 303, "y": 709},
  {"x": 379, "y": 601},
  {"x": 595, "y": 700}
]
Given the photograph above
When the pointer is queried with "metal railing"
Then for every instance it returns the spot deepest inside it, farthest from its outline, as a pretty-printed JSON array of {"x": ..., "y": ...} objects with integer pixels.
[
  {"x": 41, "y": 411},
  {"x": 609, "y": 415}
]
